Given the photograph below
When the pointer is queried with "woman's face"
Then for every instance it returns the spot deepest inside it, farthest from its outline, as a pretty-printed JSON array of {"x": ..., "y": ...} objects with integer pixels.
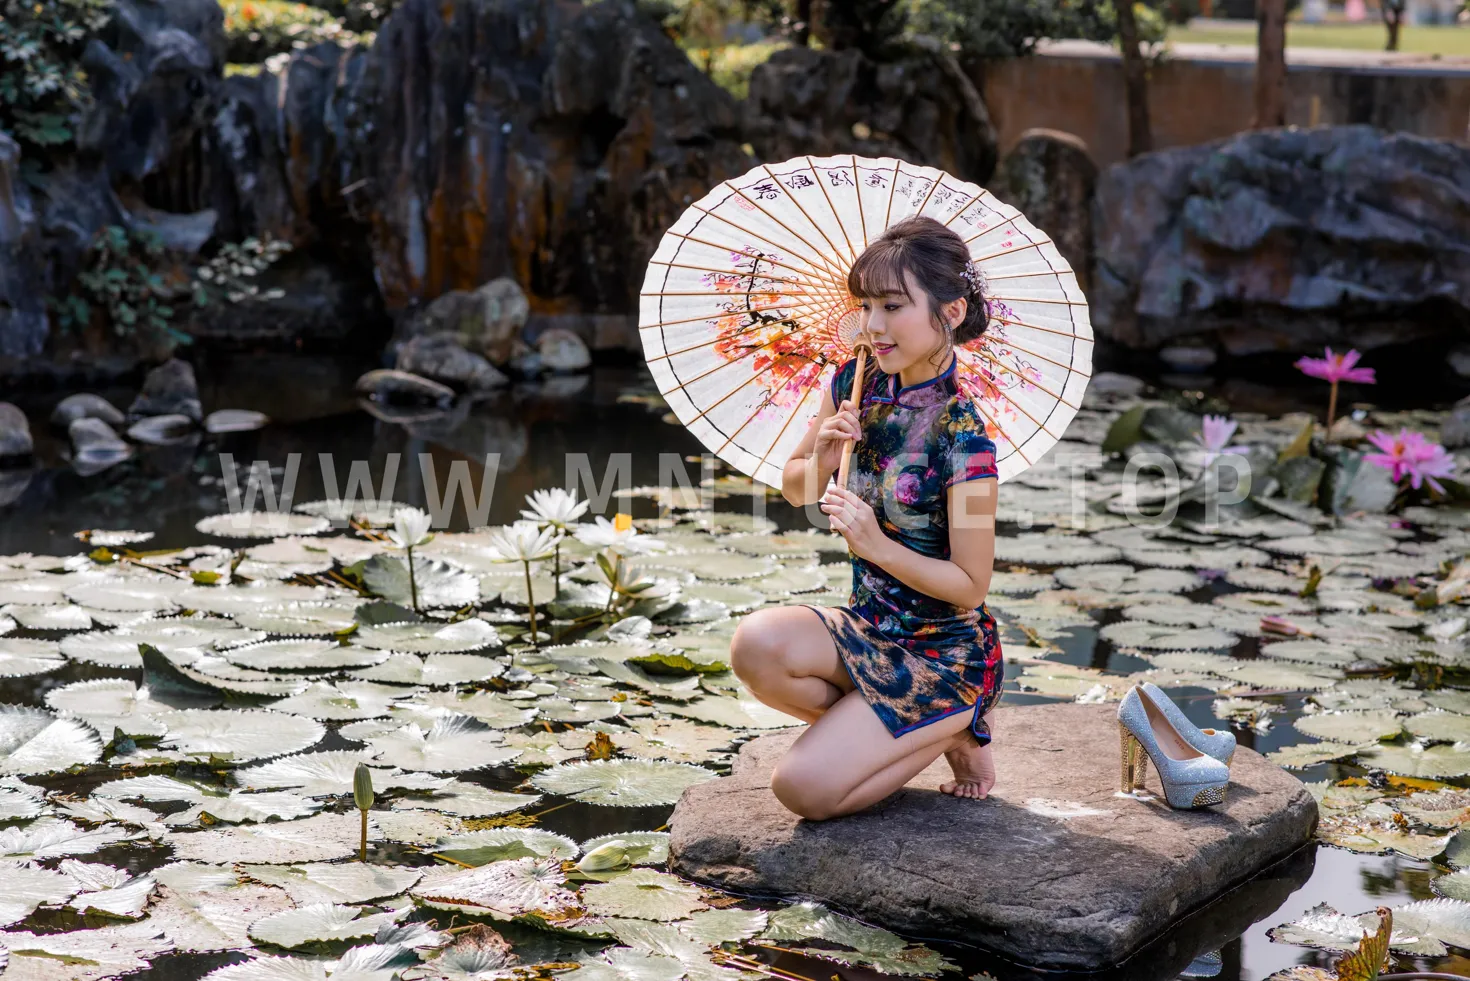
[{"x": 901, "y": 328}]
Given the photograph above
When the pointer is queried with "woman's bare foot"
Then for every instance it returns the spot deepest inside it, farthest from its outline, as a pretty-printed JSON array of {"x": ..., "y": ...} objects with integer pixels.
[{"x": 974, "y": 769}]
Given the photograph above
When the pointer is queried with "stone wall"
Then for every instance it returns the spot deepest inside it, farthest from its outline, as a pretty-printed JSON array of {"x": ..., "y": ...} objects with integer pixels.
[{"x": 1204, "y": 92}]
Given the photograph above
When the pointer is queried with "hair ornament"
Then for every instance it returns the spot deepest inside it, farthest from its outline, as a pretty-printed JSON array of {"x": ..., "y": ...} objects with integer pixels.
[{"x": 972, "y": 275}]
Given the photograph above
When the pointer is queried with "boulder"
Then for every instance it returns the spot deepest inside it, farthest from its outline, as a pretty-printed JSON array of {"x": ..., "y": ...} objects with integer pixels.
[
  {"x": 404, "y": 388},
  {"x": 1454, "y": 432},
  {"x": 85, "y": 405},
  {"x": 553, "y": 143},
  {"x": 95, "y": 446},
  {"x": 1050, "y": 176},
  {"x": 1286, "y": 240},
  {"x": 440, "y": 357},
  {"x": 169, "y": 389},
  {"x": 487, "y": 319},
  {"x": 561, "y": 350},
  {"x": 15, "y": 432},
  {"x": 921, "y": 108},
  {"x": 23, "y": 320},
  {"x": 1055, "y": 869}
]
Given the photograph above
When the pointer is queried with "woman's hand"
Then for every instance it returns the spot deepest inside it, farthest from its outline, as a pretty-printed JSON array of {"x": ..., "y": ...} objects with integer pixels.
[
  {"x": 855, "y": 519},
  {"x": 837, "y": 430}
]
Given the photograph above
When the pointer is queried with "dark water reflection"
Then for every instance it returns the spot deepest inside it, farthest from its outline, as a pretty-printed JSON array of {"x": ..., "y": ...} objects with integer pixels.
[{"x": 534, "y": 429}]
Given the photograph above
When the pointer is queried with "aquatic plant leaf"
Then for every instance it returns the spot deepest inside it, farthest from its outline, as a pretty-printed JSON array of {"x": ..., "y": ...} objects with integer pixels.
[
  {"x": 347, "y": 882},
  {"x": 627, "y": 964},
  {"x": 48, "y": 617},
  {"x": 467, "y": 800},
  {"x": 49, "y": 837},
  {"x": 261, "y": 524},
  {"x": 126, "y": 899},
  {"x": 741, "y": 599},
  {"x": 676, "y": 739},
  {"x": 321, "y": 838},
  {"x": 737, "y": 713},
  {"x": 454, "y": 743},
  {"x": 107, "y": 704},
  {"x": 435, "y": 670},
  {"x": 621, "y": 783},
  {"x": 296, "y": 618},
  {"x": 1416, "y": 760},
  {"x": 239, "y": 735},
  {"x": 637, "y": 847},
  {"x": 500, "y": 844},
  {"x": 712, "y": 566},
  {"x": 477, "y": 954},
  {"x": 240, "y": 806},
  {"x": 1359, "y": 728},
  {"x": 20, "y": 657},
  {"x": 19, "y": 800},
  {"x": 318, "y": 923},
  {"x": 643, "y": 894},
  {"x": 807, "y": 920},
  {"x": 341, "y": 701},
  {"x": 1034, "y": 548},
  {"x": 83, "y": 955},
  {"x": 33, "y": 741},
  {"x": 501, "y": 890},
  {"x": 717, "y": 926},
  {"x": 28, "y": 887},
  {"x": 204, "y": 908},
  {"x": 1309, "y": 754},
  {"x": 1161, "y": 637},
  {"x": 328, "y": 773},
  {"x": 1448, "y": 727},
  {"x": 566, "y": 710},
  {"x": 301, "y": 654},
  {"x": 429, "y": 637},
  {"x": 917, "y": 960},
  {"x": 487, "y": 706},
  {"x": 1382, "y": 840},
  {"x": 439, "y": 583}
]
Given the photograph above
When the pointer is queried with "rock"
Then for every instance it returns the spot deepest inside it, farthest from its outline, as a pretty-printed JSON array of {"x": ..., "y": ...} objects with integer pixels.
[
  {"x": 488, "y": 319},
  {"x": 235, "y": 421},
  {"x": 525, "y": 360},
  {"x": 1187, "y": 357},
  {"x": 1050, "y": 177},
  {"x": 95, "y": 447},
  {"x": 1118, "y": 871},
  {"x": 388, "y": 385},
  {"x": 920, "y": 108},
  {"x": 15, "y": 433},
  {"x": 1454, "y": 433},
  {"x": 85, "y": 405},
  {"x": 439, "y": 356},
  {"x": 169, "y": 389},
  {"x": 1459, "y": 358},
  {"x": 165, "y": 430},
  {"x": 553, "y": 143},
  {"x": 561, "y": 350},
  {"x": 1286, "y": 239},
  {"x": 23, "y": 320}
]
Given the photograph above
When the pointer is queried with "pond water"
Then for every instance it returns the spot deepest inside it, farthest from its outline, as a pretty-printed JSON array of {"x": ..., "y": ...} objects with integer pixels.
[{"x": 166, "y": 490}]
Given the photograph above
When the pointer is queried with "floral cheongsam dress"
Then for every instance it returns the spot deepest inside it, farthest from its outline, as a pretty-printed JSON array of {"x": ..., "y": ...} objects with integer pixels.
[{"x": 915, "y": 658}]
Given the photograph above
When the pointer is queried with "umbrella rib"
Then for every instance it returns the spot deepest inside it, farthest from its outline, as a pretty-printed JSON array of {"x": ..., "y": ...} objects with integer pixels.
[
  {"x": 1029, "y": 245},
  {"x": 809, "y": 220},
  {"x": 729, "y": 272},
  {"x": 980, "y": 351},
  {"x": 862, "y": 212},
  {"x": 790, "y": 418},
  {"x": 892, "y": 189},
  {"x": 934, "y": 186},
  {"x": 1038, "y": 354},
  {"x": 705, "y": 411},
  {"x": 1039, "y": 425},
  {"x": 1044, "y": 330},
  {"x": 961, "y": 210},
  {"x": 1037, "y": 299},
  {"x": 835, "y": 214},
  {"x": 742, "y": 249},
  {"x": 1027, "y": 275},
  {"x": 814, "y": 265},
  {"x": 714, "y": 340},
  {"x": 1016, "y": 446},
  {"x": 711, "y": 316},
  {"x": 788, "y": 228}
]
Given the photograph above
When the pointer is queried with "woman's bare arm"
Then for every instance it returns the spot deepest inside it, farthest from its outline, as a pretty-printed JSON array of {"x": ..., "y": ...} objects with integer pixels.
[{"x": 964, "y": 578}]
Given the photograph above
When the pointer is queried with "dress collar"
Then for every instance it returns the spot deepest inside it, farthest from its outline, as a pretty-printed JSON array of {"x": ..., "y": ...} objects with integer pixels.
[{"x": 932, "y": 392}]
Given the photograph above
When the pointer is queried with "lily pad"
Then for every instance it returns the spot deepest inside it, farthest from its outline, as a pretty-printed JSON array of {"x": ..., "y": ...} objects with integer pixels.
[
  {"x": 33, "y": 741},
  {"x": 643, "y": 894},
  {"x": 500, "y": 844},
  {"x": 501, "y": 890},
  {"x": 452, "y": 744},
  {"x": 239, "y": 736},
  {"x": 318, "y": 923},
  {"x": 621, "y": 783},
  {"x": 348, "y": 882},
  {"x": 429, "y": 638},
  {"x": 302, "y": 655},
  {"x": 1358, "y": 728}
]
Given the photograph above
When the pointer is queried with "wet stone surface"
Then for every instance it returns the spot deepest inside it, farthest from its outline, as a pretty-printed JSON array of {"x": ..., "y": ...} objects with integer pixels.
[{"x": 1116, "y": 871}]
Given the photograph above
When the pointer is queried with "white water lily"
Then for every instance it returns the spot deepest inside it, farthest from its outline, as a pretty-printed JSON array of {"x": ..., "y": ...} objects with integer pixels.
[
  {"x": 625, "y": 541},
  {"x": 410, "y": 528},
  {"x": 523, "y": 541},
  {"x": 556, "y": 507}
]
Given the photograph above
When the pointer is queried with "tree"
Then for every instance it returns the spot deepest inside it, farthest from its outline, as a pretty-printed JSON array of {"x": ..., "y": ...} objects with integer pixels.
[
  {"x": 1135, "y": 81},
  {"x": 1270, "y": 64},
  {"x": 1392, "y": 12}
]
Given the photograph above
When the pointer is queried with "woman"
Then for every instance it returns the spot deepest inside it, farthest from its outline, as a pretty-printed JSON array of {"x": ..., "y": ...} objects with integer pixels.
[{"x": 910, "y": 667}]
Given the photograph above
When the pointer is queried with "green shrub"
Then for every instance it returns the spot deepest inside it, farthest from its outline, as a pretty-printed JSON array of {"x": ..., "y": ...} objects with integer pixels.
[
  {"x": 257, "y": 29},
  {"x": 42, "y": 85},
  {"x": 122, "y": 283}
]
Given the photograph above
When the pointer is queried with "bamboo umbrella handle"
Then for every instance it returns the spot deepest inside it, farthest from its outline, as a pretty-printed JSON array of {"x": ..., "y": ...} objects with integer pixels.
[{"x": 857, "y": 388}]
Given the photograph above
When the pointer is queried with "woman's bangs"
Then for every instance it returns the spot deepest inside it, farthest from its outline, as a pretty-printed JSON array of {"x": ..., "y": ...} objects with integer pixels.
[{"x": 877, "y": 273}]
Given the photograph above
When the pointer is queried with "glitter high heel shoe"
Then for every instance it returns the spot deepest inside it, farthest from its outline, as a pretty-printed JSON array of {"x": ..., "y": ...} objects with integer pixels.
[
  {"x": 1218, "y": 743},
  {"x": 1190, "y": 778}
]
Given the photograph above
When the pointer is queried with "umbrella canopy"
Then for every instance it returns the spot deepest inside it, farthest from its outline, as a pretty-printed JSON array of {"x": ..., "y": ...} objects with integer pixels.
[{"x": 745, "y": 313}]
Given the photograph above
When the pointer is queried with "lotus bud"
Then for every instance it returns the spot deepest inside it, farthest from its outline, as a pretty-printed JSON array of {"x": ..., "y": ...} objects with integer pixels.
[
  {"x": 362, "y": 787},
  {"x": 608, "y": 855}
]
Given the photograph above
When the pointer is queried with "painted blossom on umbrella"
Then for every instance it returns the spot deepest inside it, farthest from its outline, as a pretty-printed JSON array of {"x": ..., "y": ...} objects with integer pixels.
[
  {"x": 1410, "y": 454},
  {"x": 1336, "y": 368}
]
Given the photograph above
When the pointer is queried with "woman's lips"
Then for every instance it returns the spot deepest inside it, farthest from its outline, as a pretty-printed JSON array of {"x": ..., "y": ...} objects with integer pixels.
[{"x": 883, "y": 348}]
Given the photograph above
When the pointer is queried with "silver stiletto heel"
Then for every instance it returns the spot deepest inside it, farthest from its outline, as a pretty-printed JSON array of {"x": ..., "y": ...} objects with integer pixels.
[
  {"x": 1190, "y": 778},
  {"x": 1218, "y": 743}
]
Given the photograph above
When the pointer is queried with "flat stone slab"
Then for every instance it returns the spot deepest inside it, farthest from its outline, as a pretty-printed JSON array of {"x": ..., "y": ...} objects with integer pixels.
[{"x": 1053, "y": 870}]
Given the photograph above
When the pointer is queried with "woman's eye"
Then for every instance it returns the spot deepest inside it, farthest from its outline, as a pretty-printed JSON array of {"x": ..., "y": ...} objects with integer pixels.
[{"x": 890, "y": 306}]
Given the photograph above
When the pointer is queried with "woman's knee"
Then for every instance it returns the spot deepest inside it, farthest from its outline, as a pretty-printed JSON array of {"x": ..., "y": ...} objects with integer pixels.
[
  {"x": 756, "y": 647},
  {"x": 801, "y": 790}
]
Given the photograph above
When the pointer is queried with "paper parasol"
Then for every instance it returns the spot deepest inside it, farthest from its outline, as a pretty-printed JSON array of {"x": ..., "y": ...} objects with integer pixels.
[{"x": 743, "y": 307}]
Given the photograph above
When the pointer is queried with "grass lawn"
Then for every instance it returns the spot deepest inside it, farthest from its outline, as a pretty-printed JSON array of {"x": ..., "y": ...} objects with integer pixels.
[{"x": 1367, "y": 36}]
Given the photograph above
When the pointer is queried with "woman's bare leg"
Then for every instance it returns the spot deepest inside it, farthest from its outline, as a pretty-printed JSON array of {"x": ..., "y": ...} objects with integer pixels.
[
  {"x": 848, "y": 759},
  {"x": 786, "y": 657},
  {"x": 973, "y": 766}
]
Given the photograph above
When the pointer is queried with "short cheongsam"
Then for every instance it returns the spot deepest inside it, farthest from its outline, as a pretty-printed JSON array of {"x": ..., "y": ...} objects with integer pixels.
[{"x": 915, "y": 658}]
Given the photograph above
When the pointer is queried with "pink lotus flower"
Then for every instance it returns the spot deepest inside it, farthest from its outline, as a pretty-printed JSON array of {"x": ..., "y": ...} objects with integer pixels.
[
  {"x": 1410, "y": 454},
  {"x": 1215, "y": 433},
  {"x": 1337, "y": 368},
  {"x": 1280, "y": 625}
]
